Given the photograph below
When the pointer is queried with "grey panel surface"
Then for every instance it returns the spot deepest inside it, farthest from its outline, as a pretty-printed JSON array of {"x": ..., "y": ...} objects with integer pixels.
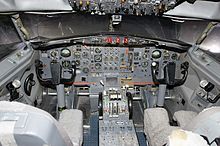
[
  {"x": 33, "y": 5},
  {"x": 200, "y": 9},
  {"x": 211, "y": 45},
  {"x": 14, "y": 61}
]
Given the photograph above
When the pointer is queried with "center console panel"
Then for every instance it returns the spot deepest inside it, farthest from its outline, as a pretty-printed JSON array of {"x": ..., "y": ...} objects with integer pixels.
[{"x": 115, "y": 126}]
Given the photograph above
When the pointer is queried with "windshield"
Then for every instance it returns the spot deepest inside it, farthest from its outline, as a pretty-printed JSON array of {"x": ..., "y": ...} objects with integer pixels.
[
  {"x": 211, "y": 44},
  {"x": 8, "y": 37},
  {"x": 75, "y": 24}
]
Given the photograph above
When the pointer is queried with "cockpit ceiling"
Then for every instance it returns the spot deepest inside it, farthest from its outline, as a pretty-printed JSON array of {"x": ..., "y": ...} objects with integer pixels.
[
  {"x": 199, "y": 9},
  {"x": 72, "y": 25}
]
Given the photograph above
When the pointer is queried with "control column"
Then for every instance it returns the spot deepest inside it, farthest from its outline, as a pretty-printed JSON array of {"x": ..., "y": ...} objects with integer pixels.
[
  {"x": 56, "y": 71},
  {"x": 61, "y": 97}
]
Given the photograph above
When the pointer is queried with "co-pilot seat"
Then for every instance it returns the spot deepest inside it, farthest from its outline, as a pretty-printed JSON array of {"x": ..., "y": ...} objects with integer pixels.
[
  {"x": 24, "y": 125},
  {"x": 157, "y": 127}
]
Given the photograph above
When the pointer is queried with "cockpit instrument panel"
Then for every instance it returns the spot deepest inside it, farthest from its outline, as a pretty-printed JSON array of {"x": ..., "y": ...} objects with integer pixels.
[{"x": 94, "y": 63}]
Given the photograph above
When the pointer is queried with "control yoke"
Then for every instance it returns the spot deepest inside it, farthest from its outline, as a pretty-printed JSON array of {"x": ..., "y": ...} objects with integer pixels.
[
  {"x": 169, "y": 74},
  {"x": 56, "y": 72}
]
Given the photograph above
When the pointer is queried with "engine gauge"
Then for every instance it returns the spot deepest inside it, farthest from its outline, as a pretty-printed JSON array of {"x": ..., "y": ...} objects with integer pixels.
[
  {"x": 144, "y": 64},
  {"x": 98, "y": 50},
  {"x": 85, "y": 70},
  {"x": 54, "y": 54},
  {"x": 77, "y": 55},
  {"x": 174, "y": 56},
  {"x": 156, "y": 54},
  {"x": 66, "y": 64},
  {"x": 144, "y": 56},
  {"x": 65, "y": 52},
  {"x": 77, "y": 63},
  {"x": 98, "y": 66},
  {"x": 98, "y": 58},
  {"x": 85, "y": 54}
]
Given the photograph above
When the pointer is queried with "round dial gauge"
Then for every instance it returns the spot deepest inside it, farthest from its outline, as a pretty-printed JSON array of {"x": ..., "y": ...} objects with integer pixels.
[
  {"x": 144, "y": 56},
  {"x": 144, "y": 64},
  {"x": 77, "y": 63},
  {"x": 98, "y": 50},
  {"x": 66, "y": 64},
  {"x": 156, "y": 54},
  {"x": 65, "y": 52},
  {"x": 77, "y": 55},
  {"x": 98, "y": 66},
  {"x": 54, "y": 54},
  {"x": 98, "y": 58},
  {"x": 85, "y": 54},
  {"x": 174, "y": 56}
]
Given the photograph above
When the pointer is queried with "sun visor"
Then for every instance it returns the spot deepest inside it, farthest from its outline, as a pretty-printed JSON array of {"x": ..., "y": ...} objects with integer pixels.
[{"x": 34, "y": 5}]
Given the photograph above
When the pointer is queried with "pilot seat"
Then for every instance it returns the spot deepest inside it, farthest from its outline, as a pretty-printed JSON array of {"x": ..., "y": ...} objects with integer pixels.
[{"x": 25, "y": 125}]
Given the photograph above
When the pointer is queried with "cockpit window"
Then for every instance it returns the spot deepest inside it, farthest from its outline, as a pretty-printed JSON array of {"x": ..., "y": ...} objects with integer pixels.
[
  {"x": 71, "y": 25},
  {"x": 211, "y": 44},
  {"x": 8, "y": 36}
]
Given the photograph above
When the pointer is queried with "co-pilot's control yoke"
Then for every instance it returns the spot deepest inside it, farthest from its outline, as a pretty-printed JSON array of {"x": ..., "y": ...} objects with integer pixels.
[{"x": 169, "y": 77}]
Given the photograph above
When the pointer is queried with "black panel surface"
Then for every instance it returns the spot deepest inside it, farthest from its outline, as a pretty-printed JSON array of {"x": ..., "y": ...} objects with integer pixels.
[{"x": 8, "y": 36}]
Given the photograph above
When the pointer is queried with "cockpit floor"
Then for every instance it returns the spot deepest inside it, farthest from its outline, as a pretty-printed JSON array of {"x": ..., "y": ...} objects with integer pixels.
[
  {"x": 138, "y": 116},
  {"x": 91, "y": 135}
]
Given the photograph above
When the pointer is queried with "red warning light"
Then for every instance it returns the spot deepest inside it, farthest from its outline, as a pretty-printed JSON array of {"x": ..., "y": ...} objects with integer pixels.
[
  {"x": 117, "y": 40},
  {"x": 109, "y": 40},
  {"x": 125, "y": 40}
]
